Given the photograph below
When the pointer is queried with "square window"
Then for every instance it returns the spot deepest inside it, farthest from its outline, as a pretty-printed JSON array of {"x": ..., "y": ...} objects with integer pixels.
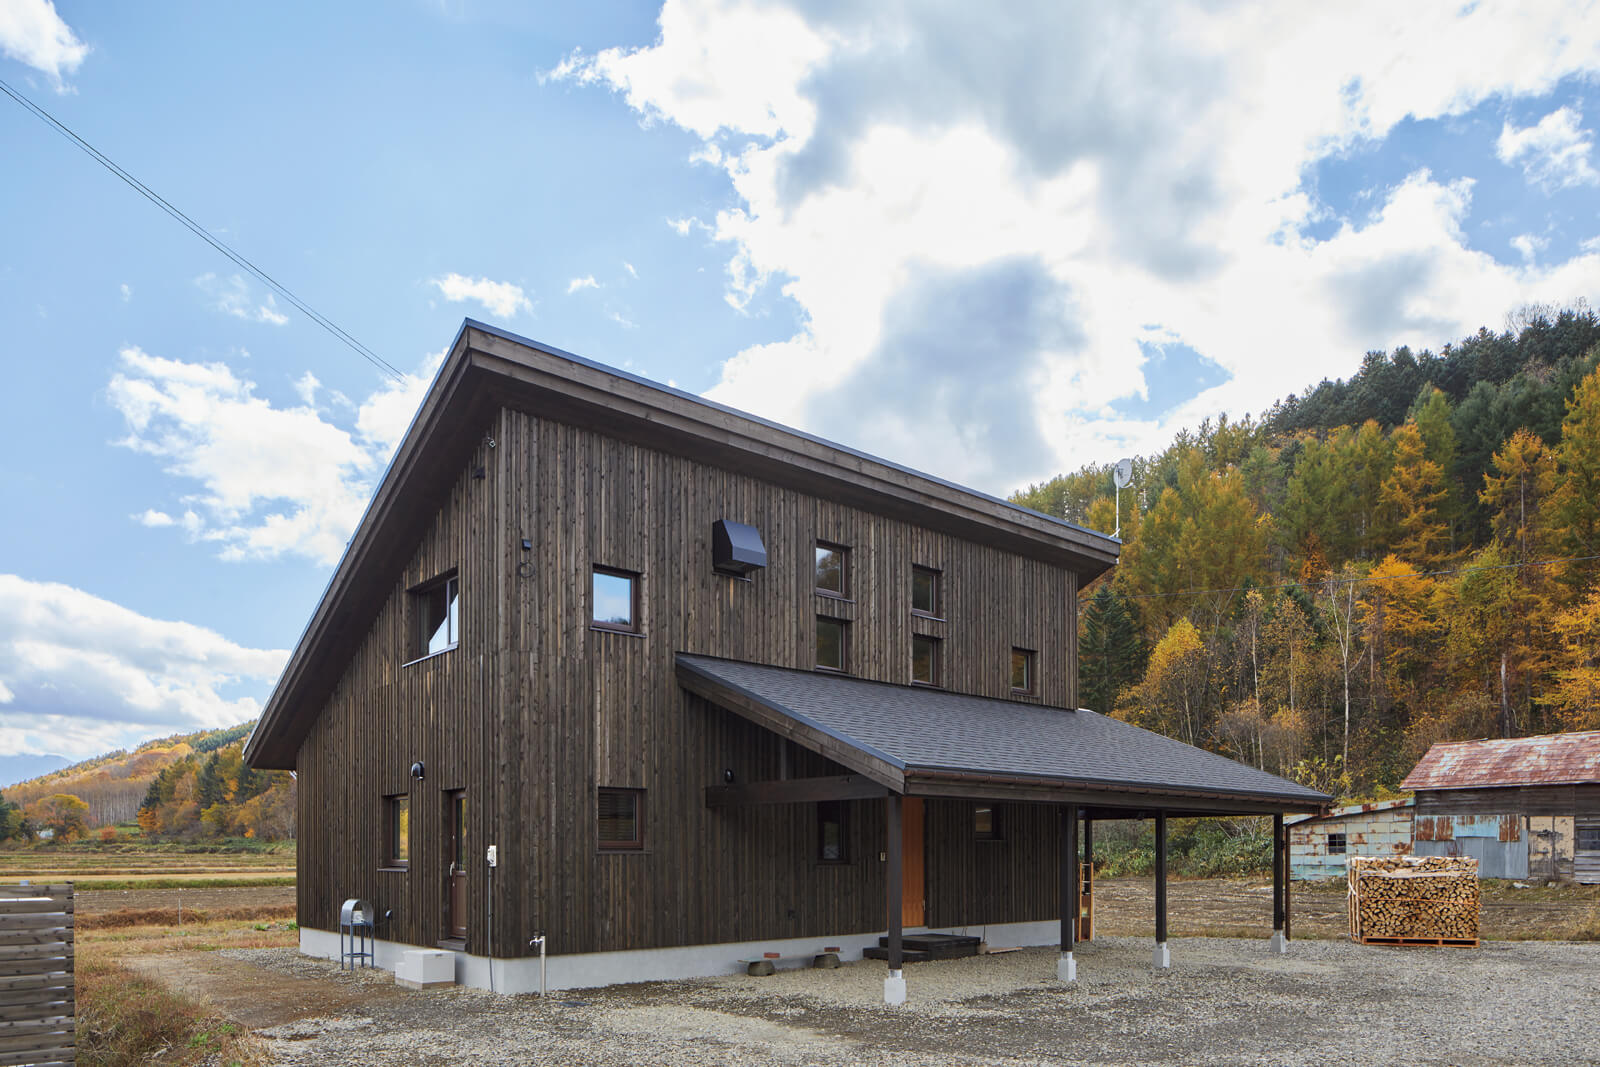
[
  {"x": 1588, "y": 839},
  {"x": 615, "y": 604},
  {"x": 1022, "y": 670},
  {"x": 833, "y": 832},
  {"x": 924, "y": 660},
  {"x": 986, "y": 823},
  {"x": 833, "y": 640},
  {"x": 925, "y": 591},
  {"x": 833, "y": 569},
  {"x": 436, "y": 615},
  {"x": 397, "y": 831},
  {"x": 1336, "y": 844},
  {"x": 621, "y": 814}
]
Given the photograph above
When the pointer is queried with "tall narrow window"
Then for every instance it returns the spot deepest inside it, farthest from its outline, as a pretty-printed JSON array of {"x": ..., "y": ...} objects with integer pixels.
[
  {"x": 833, "y": 569},
  {"x": 621, "y": 813},
  {"x": 397, "y": 831},
  {"x": 1023, "y": 664},
  {"x": 436, "y": 617},
  {"x": 985, "y": 823},
  {"x": 833, "y": 832},
  {"x": 616, "y": 600},
  {"x": 924, "y": 660},
  {"x": 833, "y": 644},
  {"x": 925, "y": 591}
]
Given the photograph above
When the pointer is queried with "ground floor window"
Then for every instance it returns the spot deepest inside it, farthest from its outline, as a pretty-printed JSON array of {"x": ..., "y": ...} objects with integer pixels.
[
  {"x": 397, "y": 830},
  {"x": 833, "y": 832},
  {"x": 621, "y": 813},
  {"x": 986, "y": 822},
  {"x": 1336, "y": 843}
]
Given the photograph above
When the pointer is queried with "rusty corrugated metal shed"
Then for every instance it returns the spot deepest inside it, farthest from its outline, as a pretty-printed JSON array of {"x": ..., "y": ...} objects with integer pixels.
[{"x": 1551, "y": 759}]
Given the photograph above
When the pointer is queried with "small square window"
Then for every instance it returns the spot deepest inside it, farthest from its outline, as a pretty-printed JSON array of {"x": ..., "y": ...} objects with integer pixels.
[
  {"x": 621, "y": 814},
  {"x": 615, "y": 604},
  {"x": 397, "y": 831},
  {"x": 925, "y": 591},
  {"x": 436, "y": 615},
  {"x": 833, "y": 644},
  {"x": 833, "y": 569},
  {"x": 1588, "y": 839},
  {"x": 833, "y": 832},
  {"x": 1336, "y": 844},
  {"x": 986, "y": 823},
  {"x": 1023, "y": 670},
  {"x": 924, "y": 660}
]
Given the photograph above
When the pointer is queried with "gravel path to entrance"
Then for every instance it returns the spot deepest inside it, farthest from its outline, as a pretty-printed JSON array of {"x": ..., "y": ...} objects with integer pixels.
[{"x": 1225, "y": 1001}]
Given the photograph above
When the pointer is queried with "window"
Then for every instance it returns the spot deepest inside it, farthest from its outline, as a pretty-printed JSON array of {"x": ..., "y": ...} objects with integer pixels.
[
  {"x": 1022, "y": 670},
  {"x": 924, "y": 660},
  {"x": 833, "y": 644},
  {"x": 1336, "y": 843},
  {"x": 925, "y": 591},
  {"x": 833, "y": 569},
  {"x": 616, "y": 600},
  {"x": 833, "y": 832},
  {"x": 436, "y": 614},
  {"x": 397, "y": 831},
  {"x": 1588, "y": 839},
  {"x": 986, "y": 823},
  {"x": 622, "y": 819}
]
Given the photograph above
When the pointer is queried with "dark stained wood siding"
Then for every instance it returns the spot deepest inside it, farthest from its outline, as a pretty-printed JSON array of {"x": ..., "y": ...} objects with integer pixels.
[
  {"x": 1567, "y": 800},
  {"x": 536, "y": 710}
]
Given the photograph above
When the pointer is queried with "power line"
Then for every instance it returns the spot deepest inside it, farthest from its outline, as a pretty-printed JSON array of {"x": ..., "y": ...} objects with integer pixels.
[
  {"x": 1364, "y": 579},
  {"x": 199, "y": 231}
]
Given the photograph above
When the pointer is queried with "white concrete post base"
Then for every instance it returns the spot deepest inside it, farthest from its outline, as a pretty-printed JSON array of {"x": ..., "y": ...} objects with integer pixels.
[
  {"x": 1067, "y": 968},
  {"x": 1162, "y": 960},
  {"x": 1278, "y": 945},
  {"x": 894, "y": 989}
]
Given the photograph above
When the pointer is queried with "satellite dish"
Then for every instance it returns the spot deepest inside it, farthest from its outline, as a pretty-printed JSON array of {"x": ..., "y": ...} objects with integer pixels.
[{"x": 1122, "y": 473}]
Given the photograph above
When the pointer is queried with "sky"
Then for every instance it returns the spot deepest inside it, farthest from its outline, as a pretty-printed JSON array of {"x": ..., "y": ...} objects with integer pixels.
[{"x": 993, "y": 242}]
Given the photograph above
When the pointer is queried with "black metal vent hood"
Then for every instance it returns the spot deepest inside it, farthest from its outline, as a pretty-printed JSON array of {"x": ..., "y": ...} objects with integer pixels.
[{"x": 736, "y": 548}]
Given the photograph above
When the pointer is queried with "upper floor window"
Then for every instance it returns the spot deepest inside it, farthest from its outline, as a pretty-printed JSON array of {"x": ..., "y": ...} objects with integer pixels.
[
  {"x": 833, "y": 644},
  {"x": 925, "y": 591},
  {"x": 615, "y": 603},
  {"x": 436, "y": 614},
  {"x": 1024, "y": 668},
  {"x": 621, "y": 819},
  {"x": 833, "y": 569},
  {"x": 924, "y": 659}
]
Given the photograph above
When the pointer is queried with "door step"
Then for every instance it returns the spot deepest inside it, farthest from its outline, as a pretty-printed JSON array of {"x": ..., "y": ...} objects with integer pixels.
[{"x": 918, "y": 948}]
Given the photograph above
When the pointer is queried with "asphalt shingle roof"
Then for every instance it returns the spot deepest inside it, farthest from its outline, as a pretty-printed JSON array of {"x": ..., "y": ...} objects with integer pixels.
[{"x": 916, "y": 728}]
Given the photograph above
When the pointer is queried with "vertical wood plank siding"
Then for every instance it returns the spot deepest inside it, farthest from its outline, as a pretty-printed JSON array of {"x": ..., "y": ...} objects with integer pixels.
[{"x": 534, "y": 711}]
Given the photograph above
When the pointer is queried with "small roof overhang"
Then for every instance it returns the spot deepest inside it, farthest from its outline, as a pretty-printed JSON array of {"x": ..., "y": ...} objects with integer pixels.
[{"x": 930, "y": 742}]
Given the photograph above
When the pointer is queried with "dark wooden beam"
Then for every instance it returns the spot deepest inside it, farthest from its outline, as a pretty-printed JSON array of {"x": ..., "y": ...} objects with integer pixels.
[
  {"x": 1069, "y": 877},
  {"x": 893, "y": 898},
  {"x": 1161, "y": 878},
  {"x": 1288, "y": 882},
  {"x": 1107, "y": 803},
  {"x": 1280, "y": 862},
  {"x": 795, "y": 791}
]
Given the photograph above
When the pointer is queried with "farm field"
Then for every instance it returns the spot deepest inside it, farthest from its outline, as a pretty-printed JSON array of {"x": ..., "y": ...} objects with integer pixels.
[{"x": 135, "y": 866}]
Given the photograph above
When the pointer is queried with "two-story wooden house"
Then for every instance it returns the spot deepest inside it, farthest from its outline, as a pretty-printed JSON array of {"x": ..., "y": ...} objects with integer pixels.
[{"x": 706, "y": 685}]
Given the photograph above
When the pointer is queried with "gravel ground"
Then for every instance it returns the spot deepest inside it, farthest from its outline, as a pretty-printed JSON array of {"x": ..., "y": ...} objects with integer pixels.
[{"x": 1225, "y": 1001}]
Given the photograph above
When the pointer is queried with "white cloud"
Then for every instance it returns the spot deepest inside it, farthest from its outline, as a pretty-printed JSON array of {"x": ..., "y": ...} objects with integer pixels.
[
  {"x": 32, "y": 32},
  {"x": 586, "y": 282},
  {"x": 1554, "y": 152},
  {"x": 127, "y": 292},
  {"x": 383, "y": 418},
  {"x": 1529, "y": 245},
  {"x": 306, "y": 387},
  {"x": 79, "y": 674},
  {"x": 629, "y": 268},
  {"x": 231, "y": 296},
  {"x": 499, "y": 298},
  {"x": 622, "y": 320},
  {"x": 153, "y": 518},
  {"x": 1086, "y": 171}
]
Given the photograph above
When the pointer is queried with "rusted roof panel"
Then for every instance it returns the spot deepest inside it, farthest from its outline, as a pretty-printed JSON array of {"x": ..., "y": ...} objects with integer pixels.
[{"x": 1553, "y": 759}]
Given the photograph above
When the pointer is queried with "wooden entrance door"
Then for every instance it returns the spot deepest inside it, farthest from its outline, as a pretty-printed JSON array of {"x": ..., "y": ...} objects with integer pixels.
[
  {"x": 456, "y": 845},
  {"x": 913, "y": 894}
]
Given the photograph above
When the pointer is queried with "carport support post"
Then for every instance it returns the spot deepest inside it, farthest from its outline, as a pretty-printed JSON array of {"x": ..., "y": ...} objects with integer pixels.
[
  {"x": 1066, "y": 966},
  {"x": 894, "y": 986},
  {"x": 1163, "y": 958},
  {"x": 1280, "y": 887}
]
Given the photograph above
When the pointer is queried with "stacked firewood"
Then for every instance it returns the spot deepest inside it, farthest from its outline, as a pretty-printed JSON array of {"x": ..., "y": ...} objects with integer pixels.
[{"x": 1422, "y": 897}]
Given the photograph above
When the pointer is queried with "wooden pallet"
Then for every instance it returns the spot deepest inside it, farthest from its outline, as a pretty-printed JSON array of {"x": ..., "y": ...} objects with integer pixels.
[{"x": 1448, "y": 942}]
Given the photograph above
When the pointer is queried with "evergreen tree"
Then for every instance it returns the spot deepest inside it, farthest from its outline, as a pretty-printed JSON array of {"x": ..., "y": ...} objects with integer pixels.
[
  {"x": 1415, "y": 496},
  {"x": 1110, "y": 654},
  {"x": 1574, "y": 506}
]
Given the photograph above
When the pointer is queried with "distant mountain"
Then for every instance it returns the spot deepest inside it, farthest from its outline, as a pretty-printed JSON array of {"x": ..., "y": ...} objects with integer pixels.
[{"x": 14, "y": 769}]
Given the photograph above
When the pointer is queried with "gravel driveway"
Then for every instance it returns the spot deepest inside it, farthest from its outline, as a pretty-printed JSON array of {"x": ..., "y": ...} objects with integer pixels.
[{"x": 1225, "y": 1001}]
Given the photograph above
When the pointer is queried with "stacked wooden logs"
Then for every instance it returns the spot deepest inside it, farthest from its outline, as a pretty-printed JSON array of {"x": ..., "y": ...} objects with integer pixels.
[{"x": 1414, "y": 898}]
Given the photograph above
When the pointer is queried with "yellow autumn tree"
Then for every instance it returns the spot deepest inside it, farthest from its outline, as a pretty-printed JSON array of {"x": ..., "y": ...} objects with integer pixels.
[
  {"x": 1169, "y": 700},
  {"x": 1414, "y": 495}
]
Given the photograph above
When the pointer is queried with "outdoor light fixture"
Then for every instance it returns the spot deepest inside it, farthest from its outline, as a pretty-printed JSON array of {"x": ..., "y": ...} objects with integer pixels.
[
  {"x": 527, "y": 545},
  {"x": 727, "y": 776},
  {"x": 416, "y": 769}
]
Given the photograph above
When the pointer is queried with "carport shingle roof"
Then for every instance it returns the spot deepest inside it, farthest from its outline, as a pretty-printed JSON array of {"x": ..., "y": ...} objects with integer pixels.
[{"x": 915, "y": 728}]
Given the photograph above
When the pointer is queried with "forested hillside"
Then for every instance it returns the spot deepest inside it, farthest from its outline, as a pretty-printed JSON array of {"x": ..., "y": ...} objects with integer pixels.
[{"x": 1404, "y": 557}]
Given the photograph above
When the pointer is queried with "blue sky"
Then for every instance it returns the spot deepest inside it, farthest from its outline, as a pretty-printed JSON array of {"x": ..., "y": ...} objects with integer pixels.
[{"x": 993, "y": 247}]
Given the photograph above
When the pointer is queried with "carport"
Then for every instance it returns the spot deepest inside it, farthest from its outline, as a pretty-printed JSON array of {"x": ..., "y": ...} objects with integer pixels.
[{"x": 906, "y": 744}]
